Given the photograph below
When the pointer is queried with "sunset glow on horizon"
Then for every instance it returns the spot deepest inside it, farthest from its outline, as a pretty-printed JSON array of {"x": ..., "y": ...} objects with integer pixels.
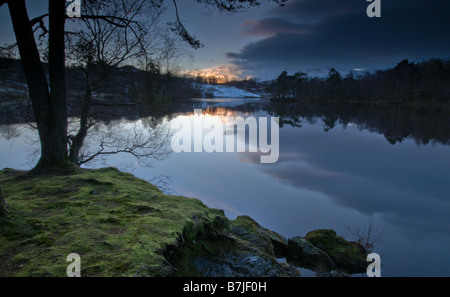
[{"x": 220, "y": 74}]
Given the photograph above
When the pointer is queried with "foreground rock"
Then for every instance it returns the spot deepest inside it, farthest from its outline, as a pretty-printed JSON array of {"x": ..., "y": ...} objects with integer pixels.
[
  {"x": 249, "y": 230},
  {"x": 348, "y": 256},
  {"x": 232, "y": 248},
  {"x": 305, "y": 254}
]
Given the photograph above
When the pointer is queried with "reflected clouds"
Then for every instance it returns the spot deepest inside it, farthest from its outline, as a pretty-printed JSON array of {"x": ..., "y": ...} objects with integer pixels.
[{"x": 362, "y": 171}]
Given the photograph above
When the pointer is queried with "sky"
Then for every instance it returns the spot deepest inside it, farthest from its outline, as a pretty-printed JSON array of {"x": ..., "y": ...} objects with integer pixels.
[{"x": 305, "y": 35}]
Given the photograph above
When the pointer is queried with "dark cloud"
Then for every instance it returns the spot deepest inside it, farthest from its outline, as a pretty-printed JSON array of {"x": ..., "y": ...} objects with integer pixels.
[
  {"x": 340, "y": 34},
  {"x": 273, "y": 26},
  {"x": 315, "y": 10}
]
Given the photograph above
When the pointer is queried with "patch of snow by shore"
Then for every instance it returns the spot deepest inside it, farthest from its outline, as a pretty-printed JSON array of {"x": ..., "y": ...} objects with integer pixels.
[{"x": 223, "y": 91}]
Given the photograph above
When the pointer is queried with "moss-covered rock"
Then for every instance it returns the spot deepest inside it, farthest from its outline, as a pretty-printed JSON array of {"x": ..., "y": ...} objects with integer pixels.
[
  {"x": 230, "y": 248},
  {"x": 272, "y": 242},
  {"x": 303, "y": 253},
  {"x": 348, "y": 256}
]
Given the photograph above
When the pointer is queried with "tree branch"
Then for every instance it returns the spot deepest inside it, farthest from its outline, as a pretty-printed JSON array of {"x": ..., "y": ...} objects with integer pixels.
[
  {"x": 122, "y": 22},
  {"x": 40, "y": 20},
  {"x": 182, "y": 32}
]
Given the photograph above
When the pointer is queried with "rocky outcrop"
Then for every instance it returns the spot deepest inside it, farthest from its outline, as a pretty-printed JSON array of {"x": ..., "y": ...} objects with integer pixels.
[
  {"x": 242, "y": 247},
  {"x": 303, "y": 253},
  {"x": 239, "y": 248},
  {"x": 347, "y": 255},
  {"x": 323, "y": 251},
  {"x": 250, "y": 231}
]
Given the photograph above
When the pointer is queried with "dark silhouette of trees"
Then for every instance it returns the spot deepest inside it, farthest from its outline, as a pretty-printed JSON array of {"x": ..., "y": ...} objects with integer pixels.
[
  {"x": 297, "y": 82},
  {"x": 287, "y": 87},
  {"x": 282, "y": 85},
  {"x": 417, "y": 84},
  {"x": 333, "y": 83}
]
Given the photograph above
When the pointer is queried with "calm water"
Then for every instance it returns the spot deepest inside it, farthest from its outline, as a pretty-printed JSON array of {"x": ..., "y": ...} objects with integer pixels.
[{"x": 327, "y": 176}]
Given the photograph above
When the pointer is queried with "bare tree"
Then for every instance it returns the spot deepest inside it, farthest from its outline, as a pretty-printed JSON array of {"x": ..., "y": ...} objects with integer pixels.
[
  {"x": 97, "y": 50},
  {"x": 169, "y": 58},
  {"x": 368, "y": 235}
]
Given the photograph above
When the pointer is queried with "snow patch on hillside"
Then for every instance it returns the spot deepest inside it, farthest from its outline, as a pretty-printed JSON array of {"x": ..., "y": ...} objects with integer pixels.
[{"x": 223, "y": 91}]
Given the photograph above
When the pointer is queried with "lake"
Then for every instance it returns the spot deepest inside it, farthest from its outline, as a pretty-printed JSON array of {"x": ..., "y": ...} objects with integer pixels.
[{"x": 338, "y": 168}]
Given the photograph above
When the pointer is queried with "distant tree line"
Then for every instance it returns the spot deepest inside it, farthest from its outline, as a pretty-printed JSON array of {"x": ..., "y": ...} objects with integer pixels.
[{"x": 424, "y": 83}]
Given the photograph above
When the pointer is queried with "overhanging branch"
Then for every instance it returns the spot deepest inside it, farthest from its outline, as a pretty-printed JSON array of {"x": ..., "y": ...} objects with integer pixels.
[
  {"x": 40, "y": 20},
  {"x": 182, "y": 32},
  {"x": 113, "y": 20}
]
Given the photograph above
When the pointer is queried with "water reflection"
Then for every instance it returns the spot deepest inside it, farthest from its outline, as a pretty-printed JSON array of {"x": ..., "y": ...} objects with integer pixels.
[
  {"x": 338, "y": 166},
  {"x": 396, "y": 122}
]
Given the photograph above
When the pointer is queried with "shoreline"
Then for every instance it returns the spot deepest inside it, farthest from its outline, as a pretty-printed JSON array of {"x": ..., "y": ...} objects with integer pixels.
[{"x": 121, "y": 225}]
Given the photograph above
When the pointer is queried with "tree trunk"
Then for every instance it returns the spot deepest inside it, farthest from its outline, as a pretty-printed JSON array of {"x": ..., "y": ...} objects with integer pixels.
[
  {"x": 57, "y": 60},
  {"x": 50, "y": 110},
  {"x": 78, "y": 140}
]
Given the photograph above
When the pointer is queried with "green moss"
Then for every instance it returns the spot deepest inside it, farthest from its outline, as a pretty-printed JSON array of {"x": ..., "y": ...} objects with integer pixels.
[
  {"x": 246, "y": 224},
  {"x": 203, "y": 236},
  {"x": 348, "y": 256},
  {"x": 120, "y": 225}
]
